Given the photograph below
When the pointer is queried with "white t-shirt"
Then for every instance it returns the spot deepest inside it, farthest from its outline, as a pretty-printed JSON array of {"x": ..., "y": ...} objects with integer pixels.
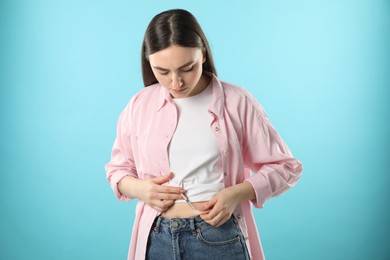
[{"x": 194, "y": 155}]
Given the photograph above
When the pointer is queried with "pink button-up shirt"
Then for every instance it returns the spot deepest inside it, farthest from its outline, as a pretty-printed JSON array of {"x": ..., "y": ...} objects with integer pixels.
[{"x": 247, "y": 141}]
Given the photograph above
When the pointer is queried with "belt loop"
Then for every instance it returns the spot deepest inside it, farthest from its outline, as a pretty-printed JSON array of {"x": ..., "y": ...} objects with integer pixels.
[
  {"x": 234, "y": 219},
  {"x": 157, "y": 227},
  {"x": 192, "y": 226}
]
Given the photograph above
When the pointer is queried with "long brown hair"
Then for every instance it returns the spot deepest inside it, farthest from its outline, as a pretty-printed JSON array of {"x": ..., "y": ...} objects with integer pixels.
[{"x": 176, "y": 26}]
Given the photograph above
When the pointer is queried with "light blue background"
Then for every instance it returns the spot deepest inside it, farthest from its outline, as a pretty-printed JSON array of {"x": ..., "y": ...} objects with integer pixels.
[{"x": 320, "y": 69}]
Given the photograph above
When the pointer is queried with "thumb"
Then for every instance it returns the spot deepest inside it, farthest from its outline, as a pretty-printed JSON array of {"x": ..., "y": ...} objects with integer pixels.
[
  {"x": 163, "y": 179},
  {"x": 209, "y": 204}
]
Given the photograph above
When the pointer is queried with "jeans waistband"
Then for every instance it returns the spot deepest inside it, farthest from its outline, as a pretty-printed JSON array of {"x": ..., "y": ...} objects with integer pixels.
[{"x": 173, "y": 225}]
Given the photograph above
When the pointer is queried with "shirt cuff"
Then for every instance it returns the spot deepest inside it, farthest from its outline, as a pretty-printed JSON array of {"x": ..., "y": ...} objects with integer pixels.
[
  {"x": 262, "y": 189},
  {"x": 114, "y": 180}
]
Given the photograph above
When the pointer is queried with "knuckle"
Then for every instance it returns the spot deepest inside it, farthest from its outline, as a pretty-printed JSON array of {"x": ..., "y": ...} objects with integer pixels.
[{"x": 151, "y": 196}]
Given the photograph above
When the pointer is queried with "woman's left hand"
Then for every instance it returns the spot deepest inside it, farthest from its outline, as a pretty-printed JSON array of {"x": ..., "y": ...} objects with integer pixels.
[
  {"x": 221, "y": 207},
  {"x": 223, "y": 204}
]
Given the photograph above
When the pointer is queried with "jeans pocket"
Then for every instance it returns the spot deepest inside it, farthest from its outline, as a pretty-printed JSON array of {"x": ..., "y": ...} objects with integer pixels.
[
  {"x": 219, "y": 236},
  {"x": 218, "y": 241}
]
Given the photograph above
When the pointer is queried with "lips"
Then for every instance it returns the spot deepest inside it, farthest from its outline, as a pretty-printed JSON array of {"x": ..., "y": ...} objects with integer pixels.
[{"x": 179, "y": 90}]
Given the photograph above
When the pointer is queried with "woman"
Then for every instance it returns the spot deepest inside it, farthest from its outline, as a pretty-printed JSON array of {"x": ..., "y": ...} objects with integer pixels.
[{"x": 185, "y": 147}]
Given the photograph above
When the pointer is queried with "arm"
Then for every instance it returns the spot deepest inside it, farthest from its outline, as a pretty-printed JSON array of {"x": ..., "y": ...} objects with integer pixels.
[
  {"x": 122, "y": 174},
  {"x": 122, "y": 161},
  {"x": 264, "y": 153},
  {"x": 267, "y": 155}
]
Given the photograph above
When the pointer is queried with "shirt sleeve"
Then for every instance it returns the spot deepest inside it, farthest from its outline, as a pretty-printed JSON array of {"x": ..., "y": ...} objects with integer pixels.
[
  {"x": 122, "y": 160},
  {"x": 267, "y": 155}
]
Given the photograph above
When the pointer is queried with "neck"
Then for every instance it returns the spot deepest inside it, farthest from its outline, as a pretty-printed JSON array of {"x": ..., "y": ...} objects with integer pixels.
[{"x": 202, "y": 84}]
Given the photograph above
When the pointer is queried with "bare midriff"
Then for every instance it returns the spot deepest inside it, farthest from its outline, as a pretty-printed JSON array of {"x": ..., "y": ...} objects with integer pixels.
[{"x": 182, "y": 210}]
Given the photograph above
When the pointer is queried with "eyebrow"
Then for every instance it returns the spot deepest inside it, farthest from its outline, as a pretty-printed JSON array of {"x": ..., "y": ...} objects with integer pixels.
[{"x": 182, "y": 66}]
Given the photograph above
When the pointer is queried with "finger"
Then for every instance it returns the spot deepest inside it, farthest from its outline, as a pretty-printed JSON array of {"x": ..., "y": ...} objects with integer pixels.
[
  {"x": 207, "y": 217},
  {"x": 157, "y": 205},
  {"x": 204, "y": 206},
  {"x": 164, "y": 205},
  {"x": 168, "y": 189},
  {"x": 222, "y": 221},
  {"x": 170, "y": 196},
  {"x": 223, "y": 217},
  {"x": 203, "y": 212},
  {"x": 166, "y": 196},
  {"x": 209, "y": 204},
  {"x": 213, "y": 213},
  {"x": 214, "y": 216},
  {"x": 217, "y": 220},
  {"x": 157, "y": 208},
  {"x": 163, "y": 179}
]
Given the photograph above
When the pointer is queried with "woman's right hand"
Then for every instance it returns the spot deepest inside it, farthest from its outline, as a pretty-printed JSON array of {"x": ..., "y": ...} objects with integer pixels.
[
  {"x": 158, "y": 196},
  {"x": 154, "y": 194}
]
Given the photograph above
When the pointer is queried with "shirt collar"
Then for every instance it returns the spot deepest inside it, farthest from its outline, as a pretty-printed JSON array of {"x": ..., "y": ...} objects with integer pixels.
[
  {"x": 164, "y": 98},
  {"x": 216, "y": 106}
]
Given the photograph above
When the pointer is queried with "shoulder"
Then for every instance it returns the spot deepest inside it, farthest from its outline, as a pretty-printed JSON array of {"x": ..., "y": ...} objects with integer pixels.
[
  {"x": 147, "y": 94},
  {"x": 240, "y": 97},
  {"x": 238, "y": 93},
  {"x": 145, "y": 97},
  {"x": 234, "y": 91}
]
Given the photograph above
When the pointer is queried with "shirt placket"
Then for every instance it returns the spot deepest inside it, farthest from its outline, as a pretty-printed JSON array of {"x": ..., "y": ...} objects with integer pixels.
[
  {"x": 219, "y": 131},
  {"x": 170, "y": 113}
]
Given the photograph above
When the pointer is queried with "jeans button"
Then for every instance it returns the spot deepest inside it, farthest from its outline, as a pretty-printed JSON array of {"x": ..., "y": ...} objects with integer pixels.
[{"x": 174, "y": 224}]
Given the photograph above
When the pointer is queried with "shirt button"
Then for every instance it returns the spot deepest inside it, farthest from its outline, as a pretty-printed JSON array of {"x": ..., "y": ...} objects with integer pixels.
[
  {"x": 225, "y": 173},
  {"x": 216, "y": 129},
  {"x": 226, "y": 151}
]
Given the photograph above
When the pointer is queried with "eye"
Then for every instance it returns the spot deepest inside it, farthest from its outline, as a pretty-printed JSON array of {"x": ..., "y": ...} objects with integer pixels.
[
  {"x": 187, "y": 69},
  {"x": 163, "y": 73}
]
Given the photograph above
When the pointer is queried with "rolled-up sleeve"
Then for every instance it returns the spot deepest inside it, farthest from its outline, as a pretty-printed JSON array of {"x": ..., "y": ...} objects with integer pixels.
[
  {"x": 266, "y": 155},
  {"x": 122, "y": 160}
]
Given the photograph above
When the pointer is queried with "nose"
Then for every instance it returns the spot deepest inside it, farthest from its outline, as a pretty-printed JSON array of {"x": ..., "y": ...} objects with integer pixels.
[{"x": 177, "y": 82}]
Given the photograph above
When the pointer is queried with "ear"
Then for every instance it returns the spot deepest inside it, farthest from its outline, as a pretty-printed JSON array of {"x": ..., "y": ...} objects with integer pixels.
[{"x": 204, "y": 57}]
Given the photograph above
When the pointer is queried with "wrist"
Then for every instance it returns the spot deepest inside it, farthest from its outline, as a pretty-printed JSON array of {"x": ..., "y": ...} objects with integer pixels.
[
  {"x": 244, "y": 191},
  {"x": 128, "y": 186}
]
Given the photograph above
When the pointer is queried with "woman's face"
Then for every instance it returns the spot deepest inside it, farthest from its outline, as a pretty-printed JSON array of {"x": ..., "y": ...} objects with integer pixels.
[{"x": 179, "y": 69}]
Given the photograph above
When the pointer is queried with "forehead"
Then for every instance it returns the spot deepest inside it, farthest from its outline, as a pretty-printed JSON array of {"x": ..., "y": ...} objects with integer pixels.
[{"x": 175, "y": 56}]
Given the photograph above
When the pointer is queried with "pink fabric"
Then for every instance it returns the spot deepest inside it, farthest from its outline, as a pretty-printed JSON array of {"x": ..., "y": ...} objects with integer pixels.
[{"x": 247, "y": 140}]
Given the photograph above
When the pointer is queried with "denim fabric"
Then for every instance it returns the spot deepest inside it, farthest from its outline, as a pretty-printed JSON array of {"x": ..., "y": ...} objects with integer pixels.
[{"x": 193, "y": 238}]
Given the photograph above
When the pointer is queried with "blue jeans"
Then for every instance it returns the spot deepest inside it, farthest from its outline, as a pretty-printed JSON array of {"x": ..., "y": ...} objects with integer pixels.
[{"x": 193, "y": 238}]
